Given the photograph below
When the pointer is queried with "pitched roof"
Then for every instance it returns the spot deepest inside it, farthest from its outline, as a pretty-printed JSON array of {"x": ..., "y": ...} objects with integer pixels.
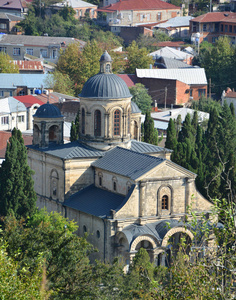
[
  {"x": 170, "y": 44},
  {"x": 176, "y": 22},
  {"x": 10, "y": 105},
  {"x": 188, "y": 75},
  {"x": 28, "y": 100},
  {"x": 170, "y": 53},
  {"x": 216, "y": 17},
  {"x": 171, "y": 63},
  {"x": 39, "y": 41},
  {"x": 138, "y": 5},
  {"x": 146, "y": 148},
  {"x": 95, "y": 201},
  {"x": 230, "y": 94},
  {"x": 76, "y": 4},
  {"x": 127, "y": 163},
  {"x": 10, "y": 17},
  {"x": 129, "y": 79},
  {"x": 16, "y": 4},
  {"x": 11, "y": 81}
]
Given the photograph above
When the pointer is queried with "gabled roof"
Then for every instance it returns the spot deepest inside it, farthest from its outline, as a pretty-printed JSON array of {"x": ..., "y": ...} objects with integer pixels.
[
  {"x": 95, "y": 201},
  {"x": 10, "y": 105},
  {"x": 171, "y": 63},
  {"x": 138, "y": 5},
  {"x": 28, "y": 100},
  {"x": 29, "y": 65},
  {"x": 225, "y": 16},
  {"x": 170, "y": 53},
  {"x": 129, "y": 79},
  {"x": 176, "y": 22},
  {"x": 189, "y": 75},
  {"x": 11, "y": 81},
  {"x": 127, "y": 163},
  {"x": 10, "y": 17}
]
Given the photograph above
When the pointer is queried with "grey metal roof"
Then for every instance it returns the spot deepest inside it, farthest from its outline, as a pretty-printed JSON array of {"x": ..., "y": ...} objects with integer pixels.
[
  {"x": 10, "y": 105},
  {"x": 70, "y": 151},
  {"x": 39, "y": 41},
  {"x": 10, "y": 17},
  {"x": 146, "y": 148},
  {"x": 48, "y": 111},
  {"x": 75, "y": 4},
  {"x": 95, "y": 201},
  {"x": 105, "y": 57},
  {"x": 127, "y": 162},
  {"x": 175, "y": 22},
  {"x": 172, "y": 63},
  {"x": 134, "y": 108},
  {"x": 188, "y": 76},
  {"x": 11, "y": 81},
  {"x": 106, "y": 86},
  {"x": 171, "y": 53}
]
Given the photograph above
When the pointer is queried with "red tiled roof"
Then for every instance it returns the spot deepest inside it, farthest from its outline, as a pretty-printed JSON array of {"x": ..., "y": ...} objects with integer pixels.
[
  {"x": 231, "y": 94},
  {"x": 29, "y": 100},
  {"x": 130, "y": 80},
  {"x": 29, "y": 65},
  {"x": 216, "y": 17},
  {"x": 138, "y": 5},
  {"x": 44, "y": 98},
  {"x": 4, "y": 137}
]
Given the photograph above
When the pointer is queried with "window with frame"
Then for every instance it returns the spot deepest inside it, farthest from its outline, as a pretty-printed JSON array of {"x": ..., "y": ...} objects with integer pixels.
[
  {"x": 221, "y": 27},
  {"x": 3, "y": 26},
  {"x": 44, "y": 52},
  {"x": 230, "y": 28},
  {"x": 83, "y": 121},
  {"x": 16, "y": 51},
  {"x": 234, "y": 29},
  {"x": 97, "y": 123},
  {"x": 165, "y": 202},
  {"x": 1, "y": 93},
  {"x": 29, "y": 51},
  {"x": 3, "y": 49},
  {"x": 5, "y": 120},
  {"x": 114, "y": 185},
  {"x": 10, "y": 93},
  {"x": 20, "y": 119},
  {"x": 191, "y": 93},
  {"x": 226, "y": 28},
  {"x": 201, "y": 92},
  {"x": 158, "y": 16},
  {"x": 204, "y": 28},
  {"x": 100, "y": 180},
  {"x": 21, "y": 93},
  {"x": 117, "y": 122}
]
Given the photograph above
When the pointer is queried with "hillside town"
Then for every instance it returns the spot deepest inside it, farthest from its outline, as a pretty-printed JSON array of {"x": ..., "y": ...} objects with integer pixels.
[{"x": 118, "y": 149}]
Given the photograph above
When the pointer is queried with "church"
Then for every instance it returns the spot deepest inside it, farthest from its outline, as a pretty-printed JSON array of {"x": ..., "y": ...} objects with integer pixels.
[{"x": 123, "y": 193}]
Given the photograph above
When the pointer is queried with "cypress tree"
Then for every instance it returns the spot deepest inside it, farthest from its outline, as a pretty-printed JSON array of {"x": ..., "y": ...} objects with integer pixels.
[
  {"x": 17, "y": 188},
  {"x": 149, "y": 130},
  {"x": 73, "y": 132},
  {"x": 171, "y": 140}
]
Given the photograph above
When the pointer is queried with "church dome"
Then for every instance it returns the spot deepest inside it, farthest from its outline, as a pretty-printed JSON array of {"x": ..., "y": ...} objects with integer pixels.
[
  {"x": 48, "y": 111},
  {"x": 108, "y": 86},
  {"x": 105, "y": 57},
  {"x": 134, "y": 108}
]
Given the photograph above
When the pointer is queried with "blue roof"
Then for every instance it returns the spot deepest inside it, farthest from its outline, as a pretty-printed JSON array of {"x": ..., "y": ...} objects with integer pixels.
[
  {"x": 48, "y": 111},
  {"x": 106, "y": 86},
  {"x": 146, "y": 148},
  {"x": 127, "y": 162},
  {"x": 11, "y": 81},
  {"x": 134, "y": 108},
  {"x": 95, "y": 201}
]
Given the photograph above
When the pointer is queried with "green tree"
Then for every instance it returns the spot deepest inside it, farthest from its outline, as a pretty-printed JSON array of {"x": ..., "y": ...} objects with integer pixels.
[
  {"x": 171, "y": 140},
  {"x": 7, "y": 65},
  {"x": 141, "y": 97},
  {"x": 137, "y": 58},
  {"x": 61, "y": 83},
  {"x": 74, "y": 131},
  {"x": 162, "y": 36},
  {"x": 17, "y": 187},
  {"x": 50, "y": 236},
  {"x": 150, "y": 133}
]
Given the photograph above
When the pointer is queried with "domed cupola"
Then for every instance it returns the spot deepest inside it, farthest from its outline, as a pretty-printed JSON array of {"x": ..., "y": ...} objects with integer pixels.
[{"x": 48, "y": 126}]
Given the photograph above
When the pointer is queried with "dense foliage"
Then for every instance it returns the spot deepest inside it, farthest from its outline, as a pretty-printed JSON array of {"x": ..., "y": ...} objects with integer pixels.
[
  {"x": 17, "y": 195},
  {"x": 141, "y": 97},
  {"x": 211, "y": 153},
  {"x": 219, "y": 61},
  {"x": 7, "y": 65}
]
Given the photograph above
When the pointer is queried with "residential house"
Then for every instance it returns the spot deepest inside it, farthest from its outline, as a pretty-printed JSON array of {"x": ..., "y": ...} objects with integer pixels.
[
  {"x": 22, "y": 84},
  {"x": 178, "y": 45},
  {"x": 174, "y": 86},
  {"x": 11, "y": 7},
  {"x": 81, "y": 8},
  {"x": 39, "y": 46},
  {"x": 13, "y": 113},
  {"x": 134, "y": 12},
  {"x": 174, "y": 54},
  {"x": 230, "y": 97},
  {"x": 214, "y": 24},
  {"x": 8, "y": 23},
  {"x": 170, "y": 63},
  {"x": 175, "y": 27},
  {"x": 161, "y": 119}
]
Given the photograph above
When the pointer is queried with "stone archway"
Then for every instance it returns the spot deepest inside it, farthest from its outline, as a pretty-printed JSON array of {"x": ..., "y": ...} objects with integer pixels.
[
  {"x": 173, "y": 231},
  {"x": 146, "y": 242}
]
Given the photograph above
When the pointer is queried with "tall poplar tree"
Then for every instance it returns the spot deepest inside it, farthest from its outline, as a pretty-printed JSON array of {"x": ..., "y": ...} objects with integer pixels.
[
  {"x": 16, "y": 184},
  {"x": 171, "y": 140}
]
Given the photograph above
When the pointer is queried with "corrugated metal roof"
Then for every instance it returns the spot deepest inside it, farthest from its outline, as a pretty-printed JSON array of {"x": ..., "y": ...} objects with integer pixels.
[
  {"x": 11, "y": 81},
  {"x": 171, "y": 63},
  {"x": 170, "y": 53},
  {"x": 146, "y": 148},
  {"x": 95, "y": 201},
  {"x": 127, "y": 163},
  {"x": 188, "y": 75},
  {"x": 28, "y": 100},
  {"x": 75, "y": 4},
  {"x": 176, "y": 22}
]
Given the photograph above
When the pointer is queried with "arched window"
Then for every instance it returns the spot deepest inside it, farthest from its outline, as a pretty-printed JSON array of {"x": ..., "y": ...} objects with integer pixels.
[
  {"x": 54, "y": 180},
  {"x": 114, "y": 185},
  {"x": 97, "y": 123},
  {"x": 129, "y": 121},
  {"x": 165, "y": 202},
  {"x": 117, "y": 122},
  {"x": 135, "y": 130},
  {"x": 83, "y": 121},
  {"x": 53, "y": 133},
  {"x": 114, "y": 181},
  {"x": 108, "y": 68}
]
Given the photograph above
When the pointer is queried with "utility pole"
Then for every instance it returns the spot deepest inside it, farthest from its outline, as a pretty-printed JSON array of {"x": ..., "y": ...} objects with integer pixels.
[{"x": 165, "y": 95}]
